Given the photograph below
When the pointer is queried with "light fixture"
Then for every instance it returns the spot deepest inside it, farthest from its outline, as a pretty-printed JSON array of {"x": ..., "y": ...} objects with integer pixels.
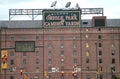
[
  {"x": 53, "y": 4},
  {"x": 68, "y": 4}
]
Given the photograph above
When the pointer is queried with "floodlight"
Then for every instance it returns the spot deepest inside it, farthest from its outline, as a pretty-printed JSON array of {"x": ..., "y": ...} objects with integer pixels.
[
  {"x": 68, "y": 4},
  {"x": 53, "y": 4}
]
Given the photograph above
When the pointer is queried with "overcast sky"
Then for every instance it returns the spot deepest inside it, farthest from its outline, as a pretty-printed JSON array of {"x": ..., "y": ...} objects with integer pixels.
[{"x": 111, "y": 7}]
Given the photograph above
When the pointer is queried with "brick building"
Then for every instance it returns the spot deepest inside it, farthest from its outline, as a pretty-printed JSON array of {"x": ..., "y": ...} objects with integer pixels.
[{"x": 90, "y": 51}]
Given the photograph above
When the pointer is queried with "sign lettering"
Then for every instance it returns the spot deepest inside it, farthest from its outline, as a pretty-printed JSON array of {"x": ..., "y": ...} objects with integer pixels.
[{"x": 61, "y": 18}]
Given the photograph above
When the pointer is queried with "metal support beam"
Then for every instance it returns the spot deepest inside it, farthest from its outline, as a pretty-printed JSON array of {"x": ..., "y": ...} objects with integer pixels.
[{"x": 32, "y": 13}]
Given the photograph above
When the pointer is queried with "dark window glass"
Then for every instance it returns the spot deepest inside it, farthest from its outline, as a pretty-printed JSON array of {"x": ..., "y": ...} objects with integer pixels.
[
  {"x": 113, "y": 68},
  {"x": 24, "y": 54},
  {"x": 88, "y": 76},
  {"x": 99, "y": 22},
  {"x": 49, "y": 69},
  {"x": 11, "y": 77},
  {"x": 100, "y": 61},
  {"x": 100, "y": 45},
  {"x": 75, "y": 61},
  {"x": 62, "y": 53},
  {"x": 24, "y": 61},
  {"x": 113, "y": 52},
  {"x": 99, "y": 37},
  {"x": 49, "y": 61},
  {"x": 113, "y": 61},
  {"x": 100, "y": 52},
  {"x": 11, "y": 53},
  {"x": 49, "y": 53},
  {"x": 85, "y": 23},
  {"x": 37, "y": 61},
  {"x": 87, "y": 60},
  {"x": 99, "y": 29},
  {"x": 11, "y": 62}
]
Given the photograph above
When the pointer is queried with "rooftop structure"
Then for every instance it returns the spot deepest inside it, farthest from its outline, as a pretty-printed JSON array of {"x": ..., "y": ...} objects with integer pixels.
[{"x": 38, "y": 23}]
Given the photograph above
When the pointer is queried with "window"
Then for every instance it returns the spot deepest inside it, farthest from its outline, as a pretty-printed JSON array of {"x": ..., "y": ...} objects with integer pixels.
[
  {"x": 99, "y": 37},
  {"x": 49, "y": 69},
  {"x": 62, "y": 53},
  {"x": 37, "y": 37},
  {"x": 11, "y": 77},
  {"x": 11, "y": 53},
  {"x": 88, "y": 76},
  {"x": 99, "y": 29},
  {"x": 87, "y": 60},
  {"x": 49, "y": 61},
  {"x": 99, "y": 68},
  {"x": 87, "y": 67},
  {"x": 50, "y": 76},
  {"x": 12, "y": 69},
  {"x": 74, "y": 45},
  {"x": 49, "y": 46},
  {"x": 37, "y": 69},
  {"x": 113, "y": 61},
  {"x": 112, "y": 45},
  {"x": 24, "y": 54},
  {"x": 87, "y": 30},
  {"x": 101, "y": 77},
  {"x": 61, "y": 46},
  {"x": 87, "y": 45},
  {"x": 87, "y": 53},
  {"x": 113, "y": 69},
  {"x": 99, "y": 22},
  {"x": 113, "y": 52},
  {"x": 74, "y": 53},
  {"x": 74, "y": 37},
  {"x": 100, "y": 45},
  {"x": 49, "y": 53},
  {"x": 37, "y": 53},
  {"x": 86, "y": 36},
  {"x": 37, "y": 61},
  {"x": 62, "y": 61},
  {"x": 100, "y": 52},
  {"x": 12, "y": 37},
  {"x": 62, "y": 68},
  {"x": 11, "y": 62},
  {"x": 75, "y": 61},
  {"x": 85, "y": 23},
  {"x": 24, "y": 61},
  {"x": 36, "y": 77},
  {"x": 100, "y": 61}
]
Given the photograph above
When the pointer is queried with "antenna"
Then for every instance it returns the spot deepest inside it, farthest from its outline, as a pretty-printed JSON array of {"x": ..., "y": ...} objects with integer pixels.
[
  {"x": 68, "y": 4},
  {"x": 53, "y": 4}
]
